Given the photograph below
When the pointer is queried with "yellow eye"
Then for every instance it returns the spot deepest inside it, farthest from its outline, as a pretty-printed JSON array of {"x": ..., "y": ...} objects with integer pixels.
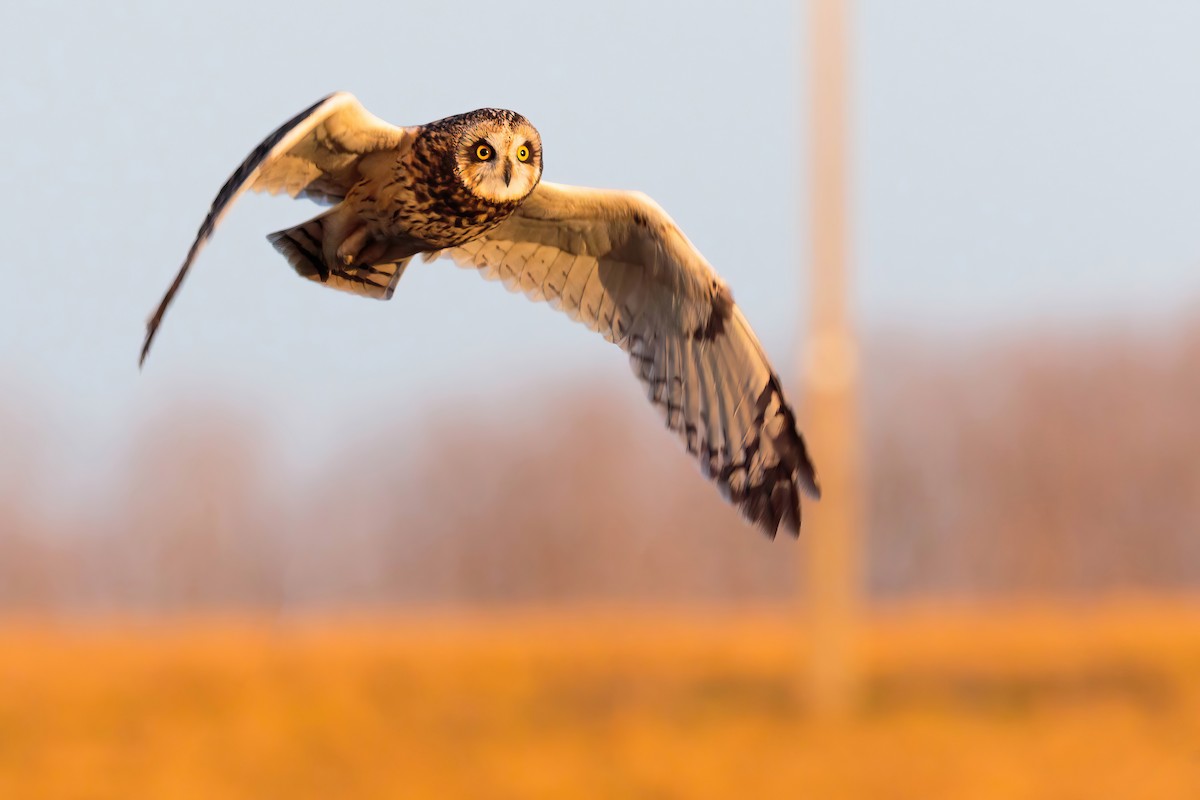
[
  {"x": 522, "y": 153},
  {"x": 483, "y": 152}
]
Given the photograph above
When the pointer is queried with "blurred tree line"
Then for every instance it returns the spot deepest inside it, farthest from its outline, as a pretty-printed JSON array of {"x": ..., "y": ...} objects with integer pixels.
[{"x": 1064, "y": 464}]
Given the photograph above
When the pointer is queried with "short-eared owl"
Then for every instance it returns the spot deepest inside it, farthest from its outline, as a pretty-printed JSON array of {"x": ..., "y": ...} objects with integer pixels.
[{"x": 469, "y": 187}]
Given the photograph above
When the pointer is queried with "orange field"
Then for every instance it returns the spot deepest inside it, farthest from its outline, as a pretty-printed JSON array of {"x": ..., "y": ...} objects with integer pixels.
[{"x": 1070, "y": 703}]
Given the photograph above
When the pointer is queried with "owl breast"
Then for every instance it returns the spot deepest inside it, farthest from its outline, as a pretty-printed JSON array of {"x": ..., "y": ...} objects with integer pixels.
[{"x": 420, "y": 196}]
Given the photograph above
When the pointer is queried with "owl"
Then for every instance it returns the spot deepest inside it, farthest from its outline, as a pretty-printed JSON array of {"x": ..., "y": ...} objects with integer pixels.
[{"x": 470, "y": 188}]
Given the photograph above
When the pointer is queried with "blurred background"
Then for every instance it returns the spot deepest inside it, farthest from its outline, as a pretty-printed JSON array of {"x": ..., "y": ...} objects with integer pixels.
[{"x": 440, "y": 546}]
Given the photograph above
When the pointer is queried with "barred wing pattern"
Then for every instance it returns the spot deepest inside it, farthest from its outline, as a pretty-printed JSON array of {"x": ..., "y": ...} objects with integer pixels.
[
  {"x": 316, "y": 154},
  {"x": 617, "y": 263}
]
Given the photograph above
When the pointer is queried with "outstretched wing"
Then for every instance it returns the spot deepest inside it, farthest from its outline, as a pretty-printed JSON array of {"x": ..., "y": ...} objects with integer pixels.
[
  {"x": 617, "y": 263},
  {"x": 315, "y": 154}
]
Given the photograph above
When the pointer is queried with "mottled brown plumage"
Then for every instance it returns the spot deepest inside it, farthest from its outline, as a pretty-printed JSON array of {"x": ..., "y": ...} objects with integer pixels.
[{"x": 424, "y": 195}]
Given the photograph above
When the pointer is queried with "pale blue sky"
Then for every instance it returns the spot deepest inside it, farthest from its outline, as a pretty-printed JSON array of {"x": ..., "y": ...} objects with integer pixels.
[{"x": 1015, "y": 164}]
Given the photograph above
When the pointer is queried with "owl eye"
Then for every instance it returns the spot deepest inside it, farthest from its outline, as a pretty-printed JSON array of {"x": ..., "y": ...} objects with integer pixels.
[
  {"x": 523, "y": 153},
  {"x": 483, "y": 152}
]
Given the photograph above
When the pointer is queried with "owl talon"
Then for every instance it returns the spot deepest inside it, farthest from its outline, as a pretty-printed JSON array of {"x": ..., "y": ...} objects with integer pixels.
[{"x": 351, "y": 246}]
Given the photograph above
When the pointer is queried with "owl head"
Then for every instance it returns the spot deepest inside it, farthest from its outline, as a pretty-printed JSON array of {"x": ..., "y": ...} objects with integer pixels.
[{"x": 498, "y": 155}]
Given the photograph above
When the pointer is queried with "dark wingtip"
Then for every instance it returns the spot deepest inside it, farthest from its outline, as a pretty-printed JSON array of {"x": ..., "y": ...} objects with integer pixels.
[
  {"x": 145, "y": 350},
  {"x": 808, "y": 474},
  {"x": 152, "y": 328},
  {"x": 154, "y": 321}
]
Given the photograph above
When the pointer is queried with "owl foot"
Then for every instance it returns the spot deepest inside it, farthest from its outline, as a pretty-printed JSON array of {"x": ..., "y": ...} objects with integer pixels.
[{"x": 351, "y": 247}]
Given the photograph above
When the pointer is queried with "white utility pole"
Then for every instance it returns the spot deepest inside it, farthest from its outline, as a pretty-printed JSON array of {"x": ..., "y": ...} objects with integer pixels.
[{"x": 830, "y": 367}]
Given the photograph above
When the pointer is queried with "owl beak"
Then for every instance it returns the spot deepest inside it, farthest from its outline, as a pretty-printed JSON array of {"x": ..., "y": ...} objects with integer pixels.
[{"x": 507, "y": 172}]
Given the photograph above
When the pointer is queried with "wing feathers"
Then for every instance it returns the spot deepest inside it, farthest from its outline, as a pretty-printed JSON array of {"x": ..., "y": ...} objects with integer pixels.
[
  {"x": 315, "y": 153},
  {"x": 617, "y": 263}
]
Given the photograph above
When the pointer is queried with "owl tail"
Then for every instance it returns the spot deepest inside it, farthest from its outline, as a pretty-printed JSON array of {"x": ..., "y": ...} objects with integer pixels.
[{"x": 353, "y": 262}]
